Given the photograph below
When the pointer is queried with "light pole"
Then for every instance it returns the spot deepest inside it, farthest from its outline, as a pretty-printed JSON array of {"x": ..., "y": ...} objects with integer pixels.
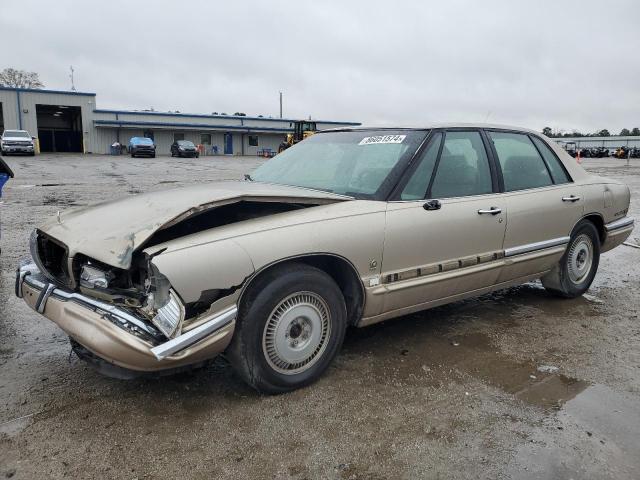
[{"x": 280, "y": 104}]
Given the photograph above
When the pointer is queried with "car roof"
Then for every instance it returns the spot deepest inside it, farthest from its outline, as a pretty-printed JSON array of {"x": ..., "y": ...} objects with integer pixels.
[{"x": 436, "y": 125}]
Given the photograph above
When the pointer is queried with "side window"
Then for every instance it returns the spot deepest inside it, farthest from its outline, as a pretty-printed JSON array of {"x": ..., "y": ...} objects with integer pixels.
[
  {"x": 463, "y": 168},
  {"x": 558, "y": 172},
  {"x": 522, "y": 166},
  {"x": 416, "y": 187}
]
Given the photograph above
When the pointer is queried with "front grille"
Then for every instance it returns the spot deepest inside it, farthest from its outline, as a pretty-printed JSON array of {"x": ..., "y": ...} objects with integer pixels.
[{"x": 51, "y": 257}]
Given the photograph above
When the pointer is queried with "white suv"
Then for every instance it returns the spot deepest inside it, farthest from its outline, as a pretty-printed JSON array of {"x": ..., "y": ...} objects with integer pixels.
[{"x": 17, "y": 141}]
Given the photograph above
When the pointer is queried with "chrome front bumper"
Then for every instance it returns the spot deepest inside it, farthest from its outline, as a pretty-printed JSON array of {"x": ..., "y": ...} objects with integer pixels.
[{"x": 115, "y": 335}]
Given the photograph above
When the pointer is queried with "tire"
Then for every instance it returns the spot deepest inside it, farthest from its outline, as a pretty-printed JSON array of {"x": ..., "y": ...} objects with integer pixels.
[
  {"x": 133, "y": 155},
  {"x": 572, "y": 276},
  {"x": 290, "y": 326},
  {"x": 153, "y": 155}
]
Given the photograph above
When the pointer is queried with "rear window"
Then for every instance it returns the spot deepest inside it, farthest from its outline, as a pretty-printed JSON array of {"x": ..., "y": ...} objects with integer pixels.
[{"x": 142, "y": 140}]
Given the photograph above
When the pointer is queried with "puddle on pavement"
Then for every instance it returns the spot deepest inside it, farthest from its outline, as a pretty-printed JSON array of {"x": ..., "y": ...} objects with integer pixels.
[
  {"x": 421, "y": 348},
  {"x": 598, "y": 421}
]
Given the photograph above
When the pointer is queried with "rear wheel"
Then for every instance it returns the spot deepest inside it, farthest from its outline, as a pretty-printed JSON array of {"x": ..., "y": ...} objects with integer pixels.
[
  {"x": 578, "y": 266},
  {"x": 290, "y": 326}
]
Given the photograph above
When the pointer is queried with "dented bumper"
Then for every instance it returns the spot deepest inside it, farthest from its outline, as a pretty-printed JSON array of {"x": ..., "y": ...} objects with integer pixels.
[{"x": 118, "y": 336}]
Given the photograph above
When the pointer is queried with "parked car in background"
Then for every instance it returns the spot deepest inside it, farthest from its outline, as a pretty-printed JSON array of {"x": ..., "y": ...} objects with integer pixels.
[
  {"x": 17, "y": 141},
  {"x": 349, "y": 227},
  {"x": 184, "y": 148},
  {"x": 139, "y": 146}
]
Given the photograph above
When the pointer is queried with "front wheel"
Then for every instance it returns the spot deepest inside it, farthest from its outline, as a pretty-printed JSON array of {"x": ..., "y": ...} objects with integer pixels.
[
  {"x": 573, "y": 275},
  {"x": 291, "y": 324}
]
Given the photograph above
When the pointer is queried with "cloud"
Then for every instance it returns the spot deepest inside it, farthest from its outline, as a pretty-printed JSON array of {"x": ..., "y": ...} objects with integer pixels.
[{"x": 567, "y": 64}]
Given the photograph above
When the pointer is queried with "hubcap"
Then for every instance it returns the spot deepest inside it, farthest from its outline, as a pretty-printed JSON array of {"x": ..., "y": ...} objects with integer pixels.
[
  {"x": 296, "y": 333},
  {"x": 580, "y": 259}
]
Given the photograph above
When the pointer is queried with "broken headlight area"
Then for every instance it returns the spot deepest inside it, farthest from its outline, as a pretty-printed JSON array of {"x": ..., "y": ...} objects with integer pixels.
[
  {"x": 107, "y": 283},
  {"x": 142, "y": 290},
  {"x": 169, "y": 318},
  {"x": 162, "y": 305},
  {"x": 92, "y": 277}
]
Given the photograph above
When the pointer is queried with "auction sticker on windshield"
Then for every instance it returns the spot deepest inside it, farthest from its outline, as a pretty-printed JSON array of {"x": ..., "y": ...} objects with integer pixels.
[{"x": 382, "y": 139}]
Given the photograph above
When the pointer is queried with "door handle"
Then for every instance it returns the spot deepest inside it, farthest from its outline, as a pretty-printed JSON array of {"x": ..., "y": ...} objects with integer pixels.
[
  {"x": 491, "y": 211},
  {"x": 432, "y": 205},
  {"x": 571, "y": 198}
]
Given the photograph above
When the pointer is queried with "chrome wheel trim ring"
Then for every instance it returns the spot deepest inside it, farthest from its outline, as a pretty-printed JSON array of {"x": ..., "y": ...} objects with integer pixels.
[
  {"x": 580, "y": 259},
  {"x": 296, "y": 333}
]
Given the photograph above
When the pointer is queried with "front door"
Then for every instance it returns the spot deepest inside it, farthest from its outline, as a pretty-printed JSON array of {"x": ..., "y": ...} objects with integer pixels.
[
  {"x": 444, "y": 236},
  {"x": 543, "y": 203},
  {"x": 228, "y": 144}
]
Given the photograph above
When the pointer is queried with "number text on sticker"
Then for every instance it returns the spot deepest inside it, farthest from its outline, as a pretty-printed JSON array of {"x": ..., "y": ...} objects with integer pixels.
[{"x": 382, "y": 139}]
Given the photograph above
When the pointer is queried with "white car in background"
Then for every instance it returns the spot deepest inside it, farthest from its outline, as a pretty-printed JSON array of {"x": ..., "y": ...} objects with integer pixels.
[{"x": 17, "y": 141}]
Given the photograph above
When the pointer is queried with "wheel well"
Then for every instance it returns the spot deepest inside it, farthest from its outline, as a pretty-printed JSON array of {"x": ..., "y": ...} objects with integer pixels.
[
  {"x": 599, "y": 224},
  {"x": 340, "y": 270}
]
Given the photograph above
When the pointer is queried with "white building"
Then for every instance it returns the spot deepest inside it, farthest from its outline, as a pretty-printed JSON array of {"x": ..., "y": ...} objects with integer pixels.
[
  {"x": 65, "y": 121},
  {"x": 611, "y": 143}
]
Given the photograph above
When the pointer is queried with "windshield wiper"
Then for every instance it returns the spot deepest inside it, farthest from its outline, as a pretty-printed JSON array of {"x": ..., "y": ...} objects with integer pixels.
[{"x": 248, "y": 177}]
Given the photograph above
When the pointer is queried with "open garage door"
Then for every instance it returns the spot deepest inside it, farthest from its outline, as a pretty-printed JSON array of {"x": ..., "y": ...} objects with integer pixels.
[{"x": 59, "y": 128}]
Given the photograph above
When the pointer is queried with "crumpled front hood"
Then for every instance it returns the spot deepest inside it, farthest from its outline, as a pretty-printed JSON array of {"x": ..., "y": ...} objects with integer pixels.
[{"x": 110, "y": 232}]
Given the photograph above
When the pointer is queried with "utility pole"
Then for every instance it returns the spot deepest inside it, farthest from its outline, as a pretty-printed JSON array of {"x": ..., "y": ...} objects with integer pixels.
[
  {"x": 73, "y": 87},
  {"x": 280, "y": 104}
]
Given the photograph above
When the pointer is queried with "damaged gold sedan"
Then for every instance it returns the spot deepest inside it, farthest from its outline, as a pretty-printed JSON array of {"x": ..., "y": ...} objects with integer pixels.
[{"x": 347, "y": 228}]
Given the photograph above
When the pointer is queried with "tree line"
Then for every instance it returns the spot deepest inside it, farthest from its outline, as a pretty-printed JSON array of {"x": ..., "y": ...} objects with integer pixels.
[
  {"x": 10, "y": 77},
  {"x": 635, "y": 132}
]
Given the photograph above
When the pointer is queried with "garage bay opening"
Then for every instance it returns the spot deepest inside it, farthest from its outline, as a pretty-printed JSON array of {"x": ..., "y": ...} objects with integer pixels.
[{"x": 59, "y": 128}]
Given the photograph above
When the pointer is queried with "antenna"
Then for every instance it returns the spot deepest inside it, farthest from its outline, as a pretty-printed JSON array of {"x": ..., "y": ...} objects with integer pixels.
[{"x": 73, "y": 87}]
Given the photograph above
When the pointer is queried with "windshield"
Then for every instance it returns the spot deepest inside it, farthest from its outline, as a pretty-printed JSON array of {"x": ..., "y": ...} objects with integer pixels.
[
  {"x": 185, "y": 143},
  {"x": 16, "y": 134},
  {"x": 358, "y": 163},
  {"x": 142, "y": 140}
]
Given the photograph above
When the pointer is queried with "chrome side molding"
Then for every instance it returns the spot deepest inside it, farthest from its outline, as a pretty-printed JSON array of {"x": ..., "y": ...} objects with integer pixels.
[
  {"x": 192, "y": 336},
  {"x": 621, "y": 223},
  {"x": 532, "y": 247}
]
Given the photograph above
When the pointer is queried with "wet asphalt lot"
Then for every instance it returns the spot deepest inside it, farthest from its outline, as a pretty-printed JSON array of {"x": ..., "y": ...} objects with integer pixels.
[{"x": 513, "y": 385}]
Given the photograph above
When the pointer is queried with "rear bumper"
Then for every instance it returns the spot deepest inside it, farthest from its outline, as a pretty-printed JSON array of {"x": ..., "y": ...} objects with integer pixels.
[
  {"x": 117, "y": 336},
  {"x": 617, "y": 232}
]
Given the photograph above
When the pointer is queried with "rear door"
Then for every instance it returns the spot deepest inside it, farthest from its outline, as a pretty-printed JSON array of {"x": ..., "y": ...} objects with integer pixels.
[
  {"x": 446, "y": 227},
  {"x": 543, "y": 203}
]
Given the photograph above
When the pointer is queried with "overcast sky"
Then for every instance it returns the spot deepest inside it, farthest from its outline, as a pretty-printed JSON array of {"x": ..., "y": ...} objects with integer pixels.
[{"x": 564, "y": 64}]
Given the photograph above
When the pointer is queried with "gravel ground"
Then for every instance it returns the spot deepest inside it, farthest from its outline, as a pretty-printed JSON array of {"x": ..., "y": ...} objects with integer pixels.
[{"x": 511, "y": 385}]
